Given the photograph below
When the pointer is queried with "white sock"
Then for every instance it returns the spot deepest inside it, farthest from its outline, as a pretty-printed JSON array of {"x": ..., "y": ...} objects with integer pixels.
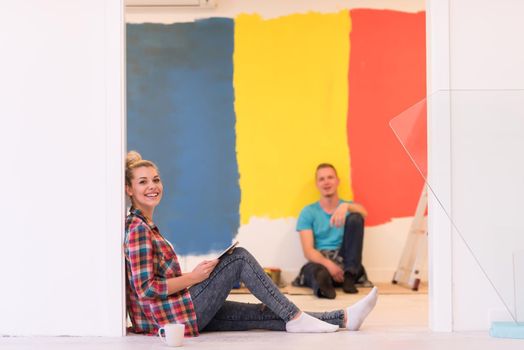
[
  {"x": 357, "y": 313},
  {"x": 308, "y": 324}
]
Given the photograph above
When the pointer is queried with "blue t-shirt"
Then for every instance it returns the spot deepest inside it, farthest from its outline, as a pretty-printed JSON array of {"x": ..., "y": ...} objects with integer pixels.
[{"x": 314, "y": 218}]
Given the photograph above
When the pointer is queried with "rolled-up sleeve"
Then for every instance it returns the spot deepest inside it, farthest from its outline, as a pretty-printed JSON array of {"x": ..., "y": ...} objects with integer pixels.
[{"x": 139, "y": 250}]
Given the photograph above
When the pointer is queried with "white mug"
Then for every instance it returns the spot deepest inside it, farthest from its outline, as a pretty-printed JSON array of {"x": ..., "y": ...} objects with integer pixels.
[{"x": 173, "y": 334}]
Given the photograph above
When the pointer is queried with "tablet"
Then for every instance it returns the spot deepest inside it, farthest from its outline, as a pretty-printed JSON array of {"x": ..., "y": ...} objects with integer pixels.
[{"x": 224, "y": 252}]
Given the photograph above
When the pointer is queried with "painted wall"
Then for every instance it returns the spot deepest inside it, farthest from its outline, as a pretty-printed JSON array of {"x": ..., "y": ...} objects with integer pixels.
[
  {"x": 255, "y": 178},
  {"x": 482, "y": 55},
  {"x": 181, "y": 115},
  {"x": 61, "y": 136}
]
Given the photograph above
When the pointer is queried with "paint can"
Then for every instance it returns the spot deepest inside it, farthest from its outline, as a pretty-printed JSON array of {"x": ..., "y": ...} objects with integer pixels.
[{"x": 274, "y": 274}]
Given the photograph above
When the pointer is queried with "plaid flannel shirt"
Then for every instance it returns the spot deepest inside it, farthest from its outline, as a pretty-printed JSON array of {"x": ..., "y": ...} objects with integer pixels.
[{"x": 150, "y": 261}]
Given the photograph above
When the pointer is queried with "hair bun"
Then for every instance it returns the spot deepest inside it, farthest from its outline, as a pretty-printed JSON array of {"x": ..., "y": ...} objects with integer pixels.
[{"x": 132, "y": 158}]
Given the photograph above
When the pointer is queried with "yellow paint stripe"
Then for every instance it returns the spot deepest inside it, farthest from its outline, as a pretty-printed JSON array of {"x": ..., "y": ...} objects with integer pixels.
[{"x": 291, "y": 93}]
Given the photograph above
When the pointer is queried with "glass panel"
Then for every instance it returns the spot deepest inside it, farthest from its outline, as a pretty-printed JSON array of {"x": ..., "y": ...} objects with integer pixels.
[{"x": 485, "y": 136}]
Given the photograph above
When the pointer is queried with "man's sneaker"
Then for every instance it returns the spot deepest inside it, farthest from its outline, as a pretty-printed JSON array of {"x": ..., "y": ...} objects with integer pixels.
[
  {"x": 348, "y": 285},
  {"x": 363, "y": 281},
  {"x": 364, "y": 284},
  {"x": 326, "y": 289}
]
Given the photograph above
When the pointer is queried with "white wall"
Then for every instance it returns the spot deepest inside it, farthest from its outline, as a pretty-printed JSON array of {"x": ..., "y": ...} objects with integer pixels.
[
  {"x": 276, "y": 243},
  {"x": 483, "y": 54},
  {"x": 439, "y": 172},
  {"x": 61, "y": 139},
  {"x": 383, "y": 244}
]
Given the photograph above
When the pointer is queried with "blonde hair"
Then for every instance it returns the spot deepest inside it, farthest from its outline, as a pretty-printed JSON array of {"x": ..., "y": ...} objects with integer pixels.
[
  {"x": 325, "y": 165},
  {"x": 134, "y": 160}
]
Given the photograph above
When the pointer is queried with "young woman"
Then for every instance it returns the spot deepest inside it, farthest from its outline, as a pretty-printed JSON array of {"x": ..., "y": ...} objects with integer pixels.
[{"x": 159, "y": 293}]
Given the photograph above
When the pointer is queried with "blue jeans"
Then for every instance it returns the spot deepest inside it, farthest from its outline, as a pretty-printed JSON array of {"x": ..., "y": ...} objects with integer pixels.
[
  {"x": 350, "y": 256},
  {"x": 215, "y": 313}
]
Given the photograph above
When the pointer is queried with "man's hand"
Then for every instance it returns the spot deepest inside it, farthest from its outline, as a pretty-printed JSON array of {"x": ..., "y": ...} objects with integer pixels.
[
  {"x": 313, "y": 255},
  {"x": 357, "y": 208},
  {"x": 335, "y": 271},
  {"x": 338, "y": 218}
]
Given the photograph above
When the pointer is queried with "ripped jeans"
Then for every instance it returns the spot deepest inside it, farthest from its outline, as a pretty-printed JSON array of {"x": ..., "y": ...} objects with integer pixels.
[{"x": 215, "y": 313}]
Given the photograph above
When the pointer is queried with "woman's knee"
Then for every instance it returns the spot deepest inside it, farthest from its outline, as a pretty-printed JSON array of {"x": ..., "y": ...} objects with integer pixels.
[
  {"x": 242, "y": 252},
  {"x": 243, "y": 257}
]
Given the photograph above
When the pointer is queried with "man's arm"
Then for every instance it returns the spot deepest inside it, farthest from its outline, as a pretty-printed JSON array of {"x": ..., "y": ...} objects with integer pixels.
[
  {"x": 313, "y": 255},
  {"x": 339, "y": 215}
]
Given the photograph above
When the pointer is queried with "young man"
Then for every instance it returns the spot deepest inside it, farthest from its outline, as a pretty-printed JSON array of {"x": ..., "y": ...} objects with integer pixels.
[{"x": 332, "y": 234}]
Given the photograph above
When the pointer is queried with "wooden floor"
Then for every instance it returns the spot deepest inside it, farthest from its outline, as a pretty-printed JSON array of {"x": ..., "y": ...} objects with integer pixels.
[
  {"x": 395, "y": 310},
  {"x": 399, "y": 321},
  {"x": 385, "y": 288}
]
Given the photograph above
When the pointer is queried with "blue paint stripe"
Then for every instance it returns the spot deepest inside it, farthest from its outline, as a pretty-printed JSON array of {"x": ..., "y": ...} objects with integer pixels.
[{"x": 180, "y": 107}]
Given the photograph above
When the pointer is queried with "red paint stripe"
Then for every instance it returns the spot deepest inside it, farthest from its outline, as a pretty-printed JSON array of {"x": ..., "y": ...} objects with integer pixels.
[{"x": 387, "y": 75}]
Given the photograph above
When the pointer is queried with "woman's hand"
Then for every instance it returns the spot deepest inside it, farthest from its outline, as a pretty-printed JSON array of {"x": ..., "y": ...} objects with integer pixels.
[
  {"x": 203, "y": 270},
  {"x": 199, "y": 273}
]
